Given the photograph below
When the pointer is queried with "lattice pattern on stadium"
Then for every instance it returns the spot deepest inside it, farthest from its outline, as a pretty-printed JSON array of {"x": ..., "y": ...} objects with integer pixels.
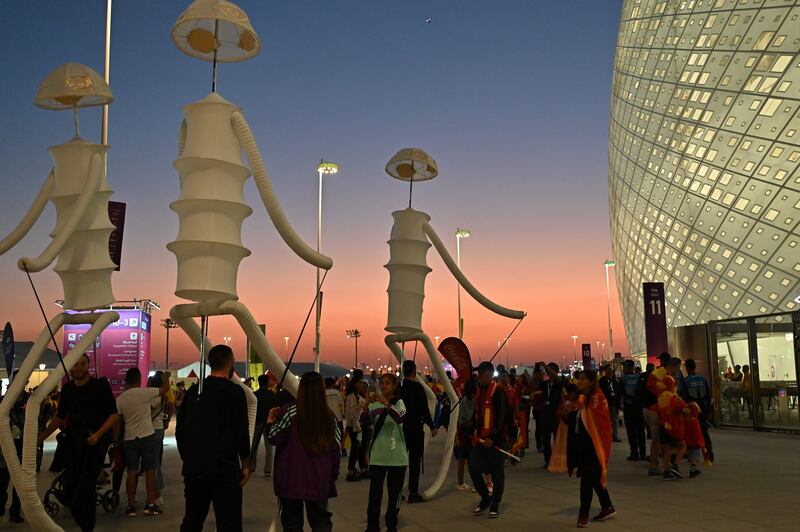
[{"x": 704, "y": 151}]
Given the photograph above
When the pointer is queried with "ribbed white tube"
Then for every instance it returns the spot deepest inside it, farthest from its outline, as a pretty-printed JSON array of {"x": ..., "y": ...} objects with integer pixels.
[
  {"x": 31, "y": 216},
  {"x": 184, "y": 314},
  {"x": 444, "y": 465},
  {"x": 464, "y": 282},
  {"x": 65, "y": 232},
  {"x": 271, "y": 203},
  {"x": 23, "y": 474}
]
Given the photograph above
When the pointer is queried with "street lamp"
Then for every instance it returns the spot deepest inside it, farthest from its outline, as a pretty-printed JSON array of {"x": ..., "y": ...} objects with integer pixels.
[
  {"x": 286, "y": 348},
  {"x": 323, "y": 168},
  {"x": 226, "y": 339},
  {"x": 355, "y": 333},
  {"x": 608, "y": 264},
  {"x": 167, "y": 324},
  {"x": 460, "y": 233},
  {"x": 575, "y": 347},
  {"x": 437, "y": 340}
]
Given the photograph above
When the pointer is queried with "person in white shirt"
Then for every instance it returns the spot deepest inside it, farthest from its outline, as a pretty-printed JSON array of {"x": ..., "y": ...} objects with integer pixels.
[
  {"x": 335, "y": 401},
  {"x": 141, "y": 444}
]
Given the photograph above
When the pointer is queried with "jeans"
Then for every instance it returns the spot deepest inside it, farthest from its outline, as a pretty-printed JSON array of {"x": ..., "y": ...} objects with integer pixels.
[
  {"x": 292, "y": 515},
  {"x": 82, "y": 468},
  {"x": 549, "y": 427},
  {"x": 258, "y": 433},
  {"x": 223, "y": 491},
  {"x": 415, "y": 443},
  {"x": 356, "y": 454},
  {"x": 159, "y": 445},
  {"x": 484, "y": 460},
  {"x": 394, "y": 476},
  {"x": 591, "y": 473},
  {"x": 634, "y": 426}
]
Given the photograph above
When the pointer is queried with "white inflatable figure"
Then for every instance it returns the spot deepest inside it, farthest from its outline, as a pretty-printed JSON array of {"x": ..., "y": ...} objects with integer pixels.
[
  {"x": 78, "y": 188},
  {"x": 411, "y": 237},
  {"x": 211, "y": 206}
]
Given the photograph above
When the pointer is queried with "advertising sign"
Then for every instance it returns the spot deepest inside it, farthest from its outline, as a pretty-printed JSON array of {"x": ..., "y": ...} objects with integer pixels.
[
  {"x": 586, "y": 355},
  {"x": 124, "y": 344},
  {"x": 655, "y": 321}
]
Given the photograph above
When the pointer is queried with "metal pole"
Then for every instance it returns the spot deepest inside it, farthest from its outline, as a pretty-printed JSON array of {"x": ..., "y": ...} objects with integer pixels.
[
  {"x": 166, "y": 357},
  {"x": 357, "y": 351},
  {"x": 608, "y": 308},
  {"x": 319, "y": 246},
  {"x": 458, "y": 289},
  {"x": 104, "y": 128}
]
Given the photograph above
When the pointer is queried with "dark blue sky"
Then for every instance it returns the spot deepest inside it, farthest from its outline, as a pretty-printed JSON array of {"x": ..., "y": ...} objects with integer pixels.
[{"x": 511, "y": 98}]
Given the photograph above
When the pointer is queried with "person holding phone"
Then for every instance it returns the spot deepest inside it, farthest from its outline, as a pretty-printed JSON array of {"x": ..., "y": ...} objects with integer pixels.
[{"x": 388, "y": 457}]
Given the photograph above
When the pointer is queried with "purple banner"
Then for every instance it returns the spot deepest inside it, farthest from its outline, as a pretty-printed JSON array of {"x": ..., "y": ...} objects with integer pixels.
[
  {"x": 123, "y": 344},
  {"x": 586, "y": 355},
  {"x": 655, "y": 320},
  {"x": 116, "y": 213}
]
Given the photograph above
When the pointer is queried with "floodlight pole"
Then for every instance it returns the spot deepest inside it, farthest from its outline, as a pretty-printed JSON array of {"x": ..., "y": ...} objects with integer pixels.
[{"x": 104, "y": 124}]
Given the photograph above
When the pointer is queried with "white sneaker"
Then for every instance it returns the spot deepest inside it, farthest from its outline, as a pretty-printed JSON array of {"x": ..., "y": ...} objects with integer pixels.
[{"x": 463, "y": 487}]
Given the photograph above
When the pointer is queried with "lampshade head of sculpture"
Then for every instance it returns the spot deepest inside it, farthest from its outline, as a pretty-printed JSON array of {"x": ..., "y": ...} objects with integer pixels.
[
  {"x": 71, "y": 86},
  {"x": 209, "y": 26},
  {"x": 412, "y": 164}
]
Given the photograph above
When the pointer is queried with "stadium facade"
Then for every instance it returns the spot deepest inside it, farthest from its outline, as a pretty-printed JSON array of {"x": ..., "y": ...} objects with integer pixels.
[{"x": 704, "y": 151}]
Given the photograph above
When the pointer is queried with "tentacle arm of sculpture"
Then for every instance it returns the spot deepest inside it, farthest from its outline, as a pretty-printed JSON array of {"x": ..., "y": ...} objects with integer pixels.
[
  {"x": 65, "y": 231},
  {"x": 270, "y": 200},
  {"x": 31, "y": 216},
  {"x": 183, "y": 315},
  {"x": 24, "y": 474},
  {"x": 464, "y": 282},
  {"x": 435, "y": 358}
]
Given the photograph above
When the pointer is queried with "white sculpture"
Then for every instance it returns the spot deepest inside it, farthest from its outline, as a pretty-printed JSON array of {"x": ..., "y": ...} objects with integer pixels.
[
  {"x": 78, "y": 188},
  {"x": 211, "y": 207},
  {"x": 410, "y": 239}
]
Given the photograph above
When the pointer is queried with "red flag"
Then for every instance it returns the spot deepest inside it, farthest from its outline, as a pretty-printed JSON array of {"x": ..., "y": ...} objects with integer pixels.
[{"x": 456, "y": 353}]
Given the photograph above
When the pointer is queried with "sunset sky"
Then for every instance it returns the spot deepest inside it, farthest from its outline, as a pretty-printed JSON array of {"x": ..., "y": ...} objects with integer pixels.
[{"x": 511, "y": 98}]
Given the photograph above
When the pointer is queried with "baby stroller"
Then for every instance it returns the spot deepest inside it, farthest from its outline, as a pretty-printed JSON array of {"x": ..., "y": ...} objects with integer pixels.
[{"x": 108, "y": 498}]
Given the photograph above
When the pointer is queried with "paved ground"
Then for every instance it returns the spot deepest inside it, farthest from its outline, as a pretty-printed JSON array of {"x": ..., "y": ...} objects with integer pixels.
[{"x": 752, "y": 486}]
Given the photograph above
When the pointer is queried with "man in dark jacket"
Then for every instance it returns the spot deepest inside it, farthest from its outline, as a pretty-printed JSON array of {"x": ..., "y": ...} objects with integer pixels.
[
  {"x": 214, "y": 444},
  {"x": 493, "y": 417},
  {"x": 632, "y": 411},
  {"x": 608, "y": 384},
  {"x": 417, "y": 414},
  {"x": 551, "y": 395},
  {"x": 265, "y": 401}
]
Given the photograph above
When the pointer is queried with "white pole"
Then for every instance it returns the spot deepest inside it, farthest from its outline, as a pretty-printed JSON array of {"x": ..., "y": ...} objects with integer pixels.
[
  {"x": 319, "y": 245},
  {"x": 104, "y": 128},
  {"x": 608, "y": 308},
  {"x": 458, "y": 288}
]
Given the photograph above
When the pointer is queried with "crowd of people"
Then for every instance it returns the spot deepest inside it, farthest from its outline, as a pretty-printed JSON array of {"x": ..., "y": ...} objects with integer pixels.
[{"x": 376, "y": 423}]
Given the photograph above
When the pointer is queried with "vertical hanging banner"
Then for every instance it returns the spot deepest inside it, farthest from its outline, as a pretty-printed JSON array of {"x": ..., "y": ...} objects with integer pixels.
[
  {"x": 116, "y": 213},
  {"x": 8, "y": 349},
  {"x": 655, "y": 320},
  {"x": 586, "y": 355},
  {"x": 456, "y": 353}
]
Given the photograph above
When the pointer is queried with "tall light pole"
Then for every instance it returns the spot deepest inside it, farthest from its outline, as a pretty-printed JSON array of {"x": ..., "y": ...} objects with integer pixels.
[
  {"x": 574, "y": 347},
  {"x": 460, "y": 233},
  {"x": 323, "y": 168},
  {"x": 106, "y": 74},
  {"x": 355, "y": 333},
  {"x": 608, "y": 264},
  {"x": 437, "y": 340},
  {"x": 167, "y": 324},
  {"x": 286, "y": 348},
  {"x": 226, "y": 339}
]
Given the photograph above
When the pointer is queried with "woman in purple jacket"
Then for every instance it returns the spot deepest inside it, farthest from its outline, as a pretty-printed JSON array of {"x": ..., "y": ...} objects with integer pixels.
[{"x": 307, "y": 453}]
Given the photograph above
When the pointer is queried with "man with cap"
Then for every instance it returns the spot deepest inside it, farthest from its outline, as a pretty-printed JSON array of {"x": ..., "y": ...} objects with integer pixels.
[{"x": 492, "y": 422}]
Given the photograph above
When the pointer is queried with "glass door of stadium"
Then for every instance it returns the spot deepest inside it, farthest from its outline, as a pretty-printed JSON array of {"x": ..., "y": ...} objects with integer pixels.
[{"x": 757, "y": 360}]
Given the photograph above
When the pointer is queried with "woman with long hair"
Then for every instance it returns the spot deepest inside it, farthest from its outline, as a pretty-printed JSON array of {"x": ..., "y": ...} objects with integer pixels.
[
  {"x": 353, "y": 408},
  {"x": 388, "y": 454},
  {"x": 307, "y": 453},
  {"x": 583, "y": 442}
]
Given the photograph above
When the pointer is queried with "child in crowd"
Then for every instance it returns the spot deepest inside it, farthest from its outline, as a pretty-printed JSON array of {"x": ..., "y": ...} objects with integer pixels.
[{"x": 695, "y": 443}]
